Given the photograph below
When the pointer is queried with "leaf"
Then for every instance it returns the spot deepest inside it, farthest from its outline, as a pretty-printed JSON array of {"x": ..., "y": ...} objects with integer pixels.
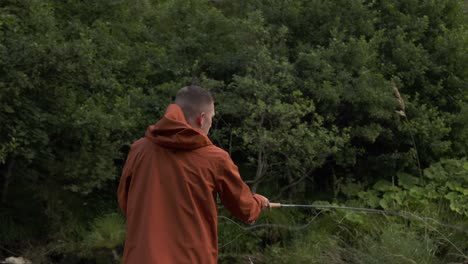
[
  {"x": 8, "y": 109},
  {"x": 417, "y": 192},
  {"x": 370, "y": 197},
  {"x": 399, "y": 197},
  {"x": 354, "y": 217},
  {"x": 406, "y": 180},
  {"x": 384, "y": 203},
  {"x": 351, "y": 189},
  {"x": 383, "y": 185}
]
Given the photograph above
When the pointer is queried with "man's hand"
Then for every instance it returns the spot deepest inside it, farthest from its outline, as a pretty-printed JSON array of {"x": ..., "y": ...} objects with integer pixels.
[{"x": 265, "y": 202}]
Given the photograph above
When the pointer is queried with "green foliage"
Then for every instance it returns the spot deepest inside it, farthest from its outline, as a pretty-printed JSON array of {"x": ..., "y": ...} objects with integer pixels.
[
  {"x": 107, "y": 232},
  {"x": 335, "y": 238},
  {"x": 449, "y": 180},
  {"x": 232, "y": 240},
  {"x": 395, "y": 244},
  {"x": 443, "y": 183},
  {"x": 304, "y": 101},
  {"x": 314, "y": 247},
  {"x": 11, "y": 231}
]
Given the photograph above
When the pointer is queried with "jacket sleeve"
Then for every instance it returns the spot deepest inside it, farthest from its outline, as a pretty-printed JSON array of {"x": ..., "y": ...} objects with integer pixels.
[
  {"x": 125, "y": 181},
  {"x": 235, "y": 194}
]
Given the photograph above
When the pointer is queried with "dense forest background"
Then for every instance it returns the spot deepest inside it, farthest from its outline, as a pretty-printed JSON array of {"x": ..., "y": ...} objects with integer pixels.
[{"x": 359, "y": 103}]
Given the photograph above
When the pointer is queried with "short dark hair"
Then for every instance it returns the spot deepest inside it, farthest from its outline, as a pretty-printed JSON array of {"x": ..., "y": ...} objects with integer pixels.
[{"x": 193, "y": 100}]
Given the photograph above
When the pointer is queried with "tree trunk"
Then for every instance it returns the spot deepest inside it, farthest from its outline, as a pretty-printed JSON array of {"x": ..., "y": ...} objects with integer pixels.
[{"x": 260, "y": 171}]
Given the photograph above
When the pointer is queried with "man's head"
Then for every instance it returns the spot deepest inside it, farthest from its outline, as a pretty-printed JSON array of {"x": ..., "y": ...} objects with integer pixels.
[{"x": 197, "y": 105}]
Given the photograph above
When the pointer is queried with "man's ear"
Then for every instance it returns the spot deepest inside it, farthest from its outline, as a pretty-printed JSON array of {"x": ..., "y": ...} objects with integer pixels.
[{"x": 201, "y": 119}]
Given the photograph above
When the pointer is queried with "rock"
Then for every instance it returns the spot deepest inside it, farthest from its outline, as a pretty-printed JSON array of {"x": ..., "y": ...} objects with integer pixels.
[{"x": 18, "y": 260}]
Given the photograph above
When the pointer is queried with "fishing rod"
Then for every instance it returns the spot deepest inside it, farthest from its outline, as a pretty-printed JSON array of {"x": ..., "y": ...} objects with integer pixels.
[{"x": 278, "y": 205}]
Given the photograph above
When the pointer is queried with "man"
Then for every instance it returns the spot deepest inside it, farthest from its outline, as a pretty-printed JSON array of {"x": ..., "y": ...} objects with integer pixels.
[{"x": 169, "y": 184}]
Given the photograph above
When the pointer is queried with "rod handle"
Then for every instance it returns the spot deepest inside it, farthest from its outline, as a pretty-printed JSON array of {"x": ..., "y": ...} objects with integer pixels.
[{"x": 274, "y": 205}]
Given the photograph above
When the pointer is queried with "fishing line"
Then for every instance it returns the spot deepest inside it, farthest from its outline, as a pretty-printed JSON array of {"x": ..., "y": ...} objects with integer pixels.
[
  {"x": 403, "y": 214},
  {"x": 322, "y": 208},
  {"x": 249, "y": 228}
]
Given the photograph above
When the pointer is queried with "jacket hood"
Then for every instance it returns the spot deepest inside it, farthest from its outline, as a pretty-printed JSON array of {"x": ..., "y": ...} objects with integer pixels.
[{"x": 173, "y": 131}]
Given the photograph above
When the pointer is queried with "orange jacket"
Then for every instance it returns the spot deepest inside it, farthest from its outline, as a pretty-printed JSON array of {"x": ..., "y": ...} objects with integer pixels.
[{"x": 168, "y": 190}]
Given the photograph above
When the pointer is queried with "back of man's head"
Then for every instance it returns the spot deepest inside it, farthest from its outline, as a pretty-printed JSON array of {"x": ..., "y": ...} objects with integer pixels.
[{"x": 193, "y": 100}]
